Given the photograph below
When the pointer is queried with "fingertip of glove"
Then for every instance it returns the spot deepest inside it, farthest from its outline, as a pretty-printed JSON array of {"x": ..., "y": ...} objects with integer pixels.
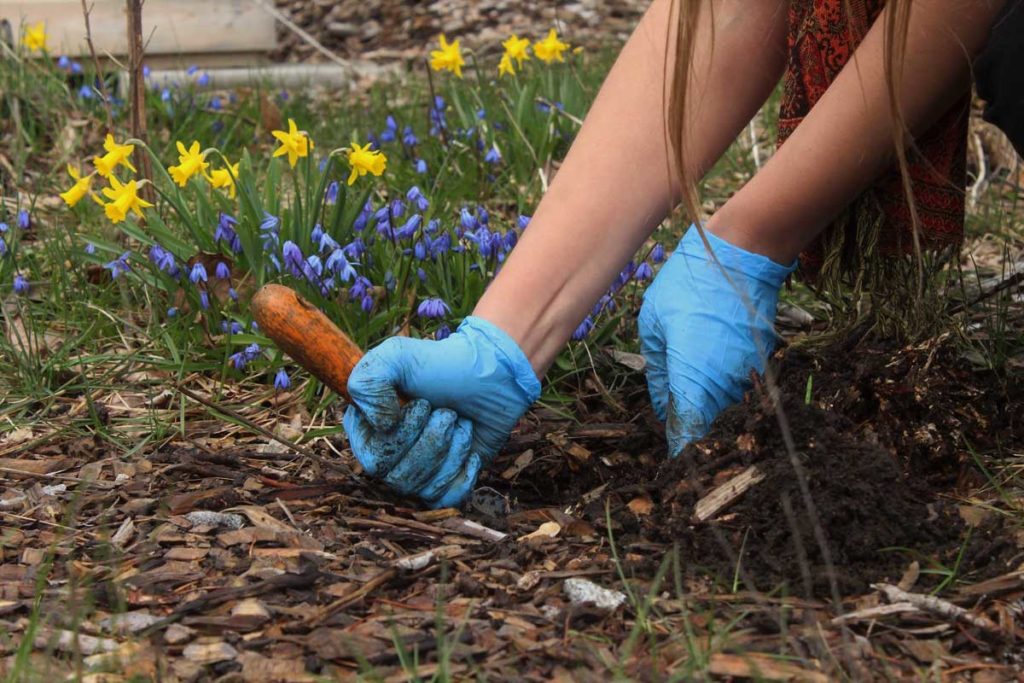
[{"x": 459, "y": 489}]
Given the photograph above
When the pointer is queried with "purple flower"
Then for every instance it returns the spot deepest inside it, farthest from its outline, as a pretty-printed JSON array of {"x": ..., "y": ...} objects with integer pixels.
[
  {"x": 441, "y": 245},
  {"x": 643, "y": 272},
  {"x": 523, "y": 221},
  {"x": 339, "y": 265},
  {"x": 172, "y": 312},
  {"x": 232, "y": 293},
  {"x": 3, "y": 227},
  {"x": 467, "y": 220},
  {"x": 511, "y": 239},
  {"x": 64, "y": 62},
  {"x": 493, "y": 156},
  {"x": 422, "y": 275},
  {"x": 226, "y": 233},
  {"x": 268, "y": 232},
  {"x": 85, "y": 92},
  {"x": 24, "y": 221},
  {"x": 317, "y": 233},
  {"x": 21, "y": 285},
  {"x": 327, "y": 243},
  {"x": 415, "y": 195},
  {"x": 409, "y": 138},
  {"x": 90, "y": 248},
  {"x": 3, "y": 246},
  {"x": 443, "y": 332},
  {"x": 163, "y": 259},
  {"x": 481, "y": 114},
  {"x": 204, "y": 79},
  {"x": 421, "y": 166},
  {"x": 270, "y": 222},
  {"x": 222, "y": 271},
  {"x": 432, "y": 225},
  {"x": 605, "y": 303},
  {"x": 76, "y": 67},
  {"x": 408, "y": 230},
  {"x": 397, "y": 208},
  {"x": 355, "y": 249},
  {"x": 419, "y": 250},
  {"x": 432, "y": 308},
  {"x": 583, "y": 330},
  {"x": 216, "y": 104},
  {"x": 198, "y": 273},
  {"x": 360, "y": 223},
  {"x": 359, "y": 288},
  {"x": 165, "y": 95},
  {"x": 367, "y": 303},
  {"x": 204, "y": 299},
  {"x": 313, "y": 268},
  {"x": 293, "y": 258},
  {"x": 332, "y": 193},
  {"x": 482, "y": 215},
  {"x": 658, "y": 253},
  {"x": 118, "y": 265},
  {"x": 281, "y": 380},
  {"x": 192, "y": 70}
]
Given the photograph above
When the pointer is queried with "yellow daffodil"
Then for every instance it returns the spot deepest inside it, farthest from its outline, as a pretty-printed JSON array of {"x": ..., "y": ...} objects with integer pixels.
[
  {"x": 550, "y": 49},
  {"x": 224, "y": 178},
  {"x": 365, "y": 160},
  {"x": 516, "y": 48},
  {"x": 190, "y": 163},
  {"x": 448, "y": 58},
  {"x": 34, "y": 37},
  {"x": 124, "y": 198},
  {"x": 505, "y": 67},
  {"x": 294, "y": 143},
  {"x": 79, "y": 190},
  {"x": 116, "y": 154}
]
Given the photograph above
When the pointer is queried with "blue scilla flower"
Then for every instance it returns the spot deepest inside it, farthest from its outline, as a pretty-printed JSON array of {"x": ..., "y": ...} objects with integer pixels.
[
  {"x": 172, "y": 312},
  {"x": 361, "y": 220},
  {"x": 432, "y": 308},
  {"x": 232, "y": 293},
  {"x": 163, "y": 259},
  {"x": 198, "y": 273},
  {"x": 165, "y": 95},
  {"x": 416, "y": 196},
  {"x": 440, "y": 245},
  {"x": 340, "y": 266},
  {"x": 76, "y": 68},
  {"x": 216, "y": 104},
  {"x": 481, "y": 114},
  {"x": 313, "y": 268},
  {"x": 281, "y": 380},
  {"x": 389, "y": 281},
  {"x": 493, "y": 156},
  {"x": 421, "y": 166},
  {"x": 331, "y": 196},
  {"x": 24, "y": 220},
  {"x": 439, "y": 103},
  {"x": 605, "y": 302},
  {"x": 397, "y": 209},
  {"x": 584, "y": 329},
  {"x": 192, "y": 70},
  {"x": 275, "y": 262},
  {"x": 3, "y": 246},
  {"x": 422, "y": 275},
  {"x": 419, "y": 250},
  {"x": 523, "y": 221},
  {"x": 360, "y": 287},
  {"x": 3, "y": 227},
  {"x": 409, "y": 138},
  {"x": 21, "y": 284},
  {"x": 643, "y": 272},
  {"x": 382, "y": 214},
  {"x": 293, "y": 258},
  {"x": 64, "y": 62},
  {"x": 328, "y": 243},
  {"x": 467, "y": 220},
  {"x": 317, "y": 233},
  {"x": 355, "y": 249},
  {"x": 366, "y": 304},
  {"x": 510, "y": 240},
  {"x": 483, "y": 216},
  {"x": 658, "y": 253},
  {"x": 118, "y": 265},
  {"x": 270, "y": 222},
  {"x": 204, "y": 79},
  {"x": 222, "y": 271},
  {"x": 409, "y": 228},
  {"x": 85, "y": 92},
  {"x": 226, "y": 233},
  {"x": 432, "y": 226},
  {"x": 373, "y": 140},
  {"x": 386, "y": 135},
  {"x": 443, "y": 332}
]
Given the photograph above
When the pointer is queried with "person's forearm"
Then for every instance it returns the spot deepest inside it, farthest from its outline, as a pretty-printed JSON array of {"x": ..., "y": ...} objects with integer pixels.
[
  {"x": 615, "y": 186},
  {"x": 847, "y": 139}
]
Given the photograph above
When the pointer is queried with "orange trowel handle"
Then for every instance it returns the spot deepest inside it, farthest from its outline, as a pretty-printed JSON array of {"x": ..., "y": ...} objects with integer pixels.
[{"x": 301, "y": 330}]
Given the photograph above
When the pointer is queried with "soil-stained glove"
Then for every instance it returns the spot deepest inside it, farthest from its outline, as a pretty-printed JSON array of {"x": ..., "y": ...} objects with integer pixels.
[
  {"x": 470, "y": 390},
  {"x": 703, "y": 328}
]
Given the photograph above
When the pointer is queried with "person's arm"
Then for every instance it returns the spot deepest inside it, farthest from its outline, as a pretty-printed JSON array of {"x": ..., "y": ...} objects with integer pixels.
[
  {"x": 846, "y": 140},
  {"x": 614, "y": 186}
]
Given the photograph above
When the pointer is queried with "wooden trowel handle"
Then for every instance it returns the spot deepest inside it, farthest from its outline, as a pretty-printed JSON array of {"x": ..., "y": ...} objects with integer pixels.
[{"x": 301, "y": 330}]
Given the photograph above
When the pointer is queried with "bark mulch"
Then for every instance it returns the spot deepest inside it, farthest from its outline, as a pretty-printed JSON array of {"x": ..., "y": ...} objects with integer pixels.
[{"x": 251, "y": 563}]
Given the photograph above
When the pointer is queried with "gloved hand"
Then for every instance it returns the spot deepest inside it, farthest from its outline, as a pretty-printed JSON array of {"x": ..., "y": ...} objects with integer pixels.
[
  {"x": 702, "y": 334},
  {"x": 470, "y": 390}
]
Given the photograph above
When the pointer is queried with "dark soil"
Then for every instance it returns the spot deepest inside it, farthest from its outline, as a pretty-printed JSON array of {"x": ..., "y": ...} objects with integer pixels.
[{"x": 882, "y": 448}]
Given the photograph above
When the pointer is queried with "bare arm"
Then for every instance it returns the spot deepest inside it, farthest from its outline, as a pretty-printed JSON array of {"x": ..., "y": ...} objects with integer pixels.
[{"x": 614, "y": 187}]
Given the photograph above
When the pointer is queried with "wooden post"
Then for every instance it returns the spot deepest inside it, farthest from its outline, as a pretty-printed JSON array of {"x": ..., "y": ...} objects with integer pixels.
[{"x": 137, "y": 91}]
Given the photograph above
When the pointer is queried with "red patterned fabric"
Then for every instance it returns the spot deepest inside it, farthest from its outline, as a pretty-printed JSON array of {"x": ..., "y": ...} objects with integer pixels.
[{"x": 822, "y": 36}]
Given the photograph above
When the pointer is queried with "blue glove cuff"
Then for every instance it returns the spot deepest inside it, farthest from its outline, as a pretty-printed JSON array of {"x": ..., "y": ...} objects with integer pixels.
[
  {"x": 509, "y": 350},
  {"x": 734, "y": 258}
]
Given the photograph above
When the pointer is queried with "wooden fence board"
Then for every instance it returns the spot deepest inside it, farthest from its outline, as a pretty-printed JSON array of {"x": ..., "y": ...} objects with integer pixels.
[{"x": 170, "y": 26}]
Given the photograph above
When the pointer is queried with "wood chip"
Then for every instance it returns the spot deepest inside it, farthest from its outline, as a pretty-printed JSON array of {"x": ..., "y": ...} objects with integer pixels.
[{"x": 726, "y": 494}]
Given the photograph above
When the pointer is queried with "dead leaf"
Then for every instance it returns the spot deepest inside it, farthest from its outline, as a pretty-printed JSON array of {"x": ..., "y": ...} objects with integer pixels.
[
  {"x": 641, "y": 505},
  {"x": 521, "y": 462},
  {"x": 545, "y": 530},
  {"x": 261, "y": 518}
]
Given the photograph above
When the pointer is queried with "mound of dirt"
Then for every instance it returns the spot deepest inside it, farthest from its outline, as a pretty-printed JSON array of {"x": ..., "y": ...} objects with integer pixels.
[{"x": 864, "y": 483}]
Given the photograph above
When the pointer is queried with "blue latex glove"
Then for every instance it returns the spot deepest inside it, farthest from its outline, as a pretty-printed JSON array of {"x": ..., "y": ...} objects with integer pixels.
[
  {"x": 702, "y": 335},
  {"x": 470, "y": 390}
]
